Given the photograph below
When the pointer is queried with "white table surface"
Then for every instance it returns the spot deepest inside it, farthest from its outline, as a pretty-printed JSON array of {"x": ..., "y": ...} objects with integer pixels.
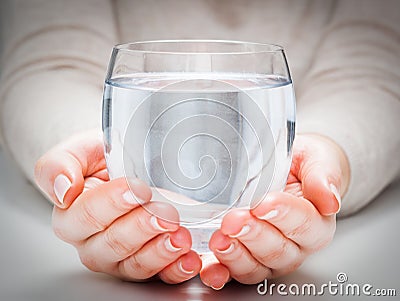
[{"x": 35, "y": 265}]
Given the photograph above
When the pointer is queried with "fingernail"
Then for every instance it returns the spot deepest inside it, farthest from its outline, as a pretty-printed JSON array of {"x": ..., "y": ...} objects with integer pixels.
[
  {"x": 132, "y": 199},
  {"x": 336, "y": 193},
  {"x": 61, "y": 185},
  {"x": 169, "y": 246},
  {"x": 183, "y": 270},
  {"x": 243, "y": 231},
  {"x": 228, "y": 250},
  {"x": 269, "y": 215},
  {"x": 217, "y": 288},
  {"x": 156, "y": 225}
]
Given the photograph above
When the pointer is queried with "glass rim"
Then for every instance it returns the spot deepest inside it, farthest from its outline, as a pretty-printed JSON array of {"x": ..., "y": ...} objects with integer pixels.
[{"x": 259, "y": 47}]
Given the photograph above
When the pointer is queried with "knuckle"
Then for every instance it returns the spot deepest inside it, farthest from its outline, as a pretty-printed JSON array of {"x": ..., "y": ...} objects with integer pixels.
[
  {"x": 301, "y": 228},
  {"x": 322, "y": 242},
  {"x": 245, "y": 276},
  {"x": 331, "y": 229},
  {"x": 169, "y": 278},
  {"x": 59, "y": 232},
  {"x": 115, "y": 202},
  {"x": 113, "y": 241},
  {"x": 294, "y": 266},
  {"x": 320, "y": 245},
  {"x": 276, "y": 254},
  {"x": 38, "y": 169},
  {"x": 323, "y": 238},
  {"x": 132, "y": 268},
  {"x": 90, "y": 262},
  {"x": 254, "y": 275},
  {"x": 59, "y": 228},
  {"x": 287, "y": 270},
  {"x": 142, "y": 224},
  {"x": 89, "y": 218}
]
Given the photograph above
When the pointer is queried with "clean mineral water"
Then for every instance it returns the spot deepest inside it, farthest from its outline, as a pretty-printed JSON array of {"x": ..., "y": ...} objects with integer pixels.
[{"x": 205, "y": 143}]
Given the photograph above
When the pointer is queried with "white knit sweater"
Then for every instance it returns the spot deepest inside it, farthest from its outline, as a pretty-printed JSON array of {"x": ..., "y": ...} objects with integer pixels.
[{"x": 344, "y": 56}]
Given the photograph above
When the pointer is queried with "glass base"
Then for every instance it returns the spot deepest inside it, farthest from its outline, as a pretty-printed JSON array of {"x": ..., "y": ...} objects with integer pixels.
[{"x": 201, "y": 235}]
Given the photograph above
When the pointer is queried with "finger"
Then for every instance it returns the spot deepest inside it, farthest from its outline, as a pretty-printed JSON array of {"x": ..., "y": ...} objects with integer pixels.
[
  {"x": 213, "y": 274},
  {"x": 264, "y": 242},
  {"x": 130, "y": 233},
  {"x": 318, "y": 167},
  {"x": 297, "y": 219},
  {"x": 237, "y": 258},
  {"x": 185, "y": 268},
  {"x": 156, "y": 255},
  {"x": 61, "y": 171},
  {"x": 94, "y": 210}
]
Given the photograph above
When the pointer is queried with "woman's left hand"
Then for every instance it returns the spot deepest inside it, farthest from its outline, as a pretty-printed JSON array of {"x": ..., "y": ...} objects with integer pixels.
[{"x": 274, "y": 238}]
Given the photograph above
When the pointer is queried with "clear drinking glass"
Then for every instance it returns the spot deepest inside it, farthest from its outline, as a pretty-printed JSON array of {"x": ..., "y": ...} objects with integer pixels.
[{"x": 209, "y": 125}]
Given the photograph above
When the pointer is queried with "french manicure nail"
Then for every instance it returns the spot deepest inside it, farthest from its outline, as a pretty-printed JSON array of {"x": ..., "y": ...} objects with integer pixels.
[
  {"x": 243, "y": 231},
  {"x": 227, "y": 250},
  {"x": 156, "y": 225},
  {"x": 217, "y": 288},
  {"x": 336, "y": 193},
  {"x": 130, "y": 198},
  {"x": 183, "y": 270},
  {"x": 269, "y": 215},
  {"x": 169, "y": 246},
  {"x": 61, "y": 185}
]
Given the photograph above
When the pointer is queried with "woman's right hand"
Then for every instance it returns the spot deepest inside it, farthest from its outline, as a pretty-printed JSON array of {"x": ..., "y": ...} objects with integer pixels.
[{"x": 112, "y": 232}]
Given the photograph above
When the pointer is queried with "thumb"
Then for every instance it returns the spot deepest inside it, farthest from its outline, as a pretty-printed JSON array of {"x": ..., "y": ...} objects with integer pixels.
[
  {"x": 322, "y": 172},
  {"x": 61, "y": 172}
]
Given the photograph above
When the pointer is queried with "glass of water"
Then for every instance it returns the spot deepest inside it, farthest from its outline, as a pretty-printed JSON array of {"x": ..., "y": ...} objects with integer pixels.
[{"x": 209, "y": 125}]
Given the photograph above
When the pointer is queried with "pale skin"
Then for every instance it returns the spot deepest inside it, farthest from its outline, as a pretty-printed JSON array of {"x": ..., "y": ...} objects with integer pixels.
[{"x": 116, "y": 235}]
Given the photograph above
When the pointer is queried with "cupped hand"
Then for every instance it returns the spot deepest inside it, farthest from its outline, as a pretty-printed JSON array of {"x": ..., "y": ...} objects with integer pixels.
[
  {"x": 113, "y": 224},
  {"x": 275, "y": 237}
]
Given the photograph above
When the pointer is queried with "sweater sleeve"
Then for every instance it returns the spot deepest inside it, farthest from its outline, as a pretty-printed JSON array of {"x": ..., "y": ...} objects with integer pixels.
[
  {"x": 53, "y": 65},
  {"x": 352, "y": 94}
]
